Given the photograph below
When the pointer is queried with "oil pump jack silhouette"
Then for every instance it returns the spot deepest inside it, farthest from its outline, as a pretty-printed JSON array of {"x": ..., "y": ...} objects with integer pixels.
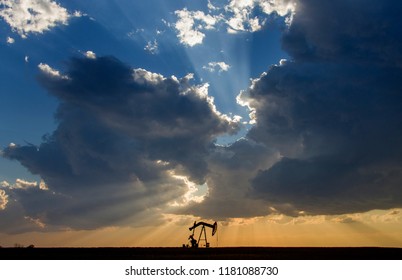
[{"x": 195, "y": 243}]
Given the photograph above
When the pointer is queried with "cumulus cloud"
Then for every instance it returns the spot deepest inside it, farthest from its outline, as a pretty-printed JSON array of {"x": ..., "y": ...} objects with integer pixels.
[
  {"x": 49, "y": 71},
  {"x": 231, "y": 168},
  {"x": 283, "y": 8},
  {"x": 333, "y": 112},
  {"x": 372, "y": 40},
  {"x": 326, "y": 135},
  {"x": 116, "y": 125},
  {"x": 217, "y": 66},
  {"x": 191, "y": 25},
  {"x": 241, "y": 18},
  {"x": 236, "y": 15},
  {"x": 242, "y": 14},
  {"x": 33, "y": 16},
  {"x": 326, "y": 138}
]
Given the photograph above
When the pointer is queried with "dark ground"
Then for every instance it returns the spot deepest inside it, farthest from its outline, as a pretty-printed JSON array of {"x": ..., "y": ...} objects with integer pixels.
[{"x": 228, "y": 253}]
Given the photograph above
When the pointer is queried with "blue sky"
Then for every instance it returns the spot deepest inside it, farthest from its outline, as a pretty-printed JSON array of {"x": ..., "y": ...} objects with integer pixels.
[
  {"x": 124, "y": 29},
  {"x": 118, "y": 113}
]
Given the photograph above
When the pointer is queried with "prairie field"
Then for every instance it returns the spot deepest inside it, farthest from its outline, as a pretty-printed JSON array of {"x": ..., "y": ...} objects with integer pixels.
[{"x": 222, "y": 253}]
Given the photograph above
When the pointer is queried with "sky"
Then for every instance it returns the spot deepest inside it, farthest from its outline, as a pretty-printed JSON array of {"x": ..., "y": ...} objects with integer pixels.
[{"x": 123, "y": 122}]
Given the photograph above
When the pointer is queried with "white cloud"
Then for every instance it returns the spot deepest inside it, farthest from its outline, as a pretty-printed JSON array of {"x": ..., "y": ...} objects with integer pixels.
[
  {"x": 90, "y": 54},
  {"x": 26, "y": 59},
  {"x": 12, "y": 145},
  {"x": 3, "y": 200},
  {"x": 241, "y": 10},
  {"x": 33, "y": 16},
  {"x": 43, "y": 186},
  {"x": 281, "y": 7},
  {"x": 255, "y": 24},
  {"x": 10, "y": 40},
  {"x": 78, "y": 14},
  {"x": 190, "y": 24},
  {"x": 143, "y": 76},
  {"x": 4, "y": 184},
  {"x": 217, "y": 66},
  {"x": 236, "y": 15},
  {"x": 152, "y": 47},
  {"x": 22, "y": 184},
  {"x": 51, "y": 72}
]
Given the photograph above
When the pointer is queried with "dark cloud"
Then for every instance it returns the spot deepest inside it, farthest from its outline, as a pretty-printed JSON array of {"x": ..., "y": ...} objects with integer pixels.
[
  {"x": 122, "y": 135},
  {"x": 327, "y": 138},
  {"x": 364, "y": 32},
  {"x": 335, "y": 111},
  {"x": 229, "y": 181}
]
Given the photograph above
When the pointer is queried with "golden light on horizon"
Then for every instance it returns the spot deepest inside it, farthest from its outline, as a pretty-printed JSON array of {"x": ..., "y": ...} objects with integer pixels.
[{"x": 375, "y": 228}]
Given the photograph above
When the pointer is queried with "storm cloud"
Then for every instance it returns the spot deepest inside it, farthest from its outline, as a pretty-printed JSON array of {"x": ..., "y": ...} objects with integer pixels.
[
  {"x": 327, "y": 127},
  {"x": 334, "y": 111},
  {"x": 326, "y": 135},
  {"x": 123, "y": 138}
]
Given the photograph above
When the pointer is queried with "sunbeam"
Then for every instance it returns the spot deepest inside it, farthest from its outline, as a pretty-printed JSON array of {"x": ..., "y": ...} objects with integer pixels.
[{"x": 123, "y": 122}]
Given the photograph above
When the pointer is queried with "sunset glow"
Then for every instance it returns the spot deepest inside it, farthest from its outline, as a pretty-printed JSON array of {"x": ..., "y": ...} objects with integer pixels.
[{"x": 124, "y": 122}]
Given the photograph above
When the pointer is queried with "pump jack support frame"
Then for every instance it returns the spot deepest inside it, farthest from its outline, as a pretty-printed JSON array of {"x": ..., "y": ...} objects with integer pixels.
[{"x": 203, "y": 230}]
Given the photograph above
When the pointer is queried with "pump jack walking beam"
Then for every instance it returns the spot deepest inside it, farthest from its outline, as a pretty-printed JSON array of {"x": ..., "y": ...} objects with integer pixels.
[
  {"x": 214, "y": 226},
  {"x": 203, "y": 230}
]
